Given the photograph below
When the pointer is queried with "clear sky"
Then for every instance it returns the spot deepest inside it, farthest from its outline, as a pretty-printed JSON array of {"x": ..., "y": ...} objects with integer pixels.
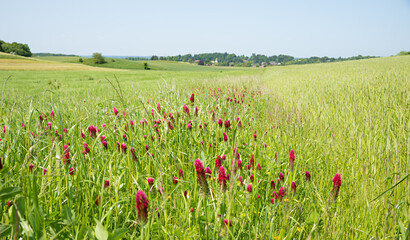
[{"x": 142, "y": 28}]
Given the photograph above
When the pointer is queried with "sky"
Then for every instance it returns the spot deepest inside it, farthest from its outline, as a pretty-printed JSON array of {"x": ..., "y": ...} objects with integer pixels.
[{"x": 144, "y": 28}]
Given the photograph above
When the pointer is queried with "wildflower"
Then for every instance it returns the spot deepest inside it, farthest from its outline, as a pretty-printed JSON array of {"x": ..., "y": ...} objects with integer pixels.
[
  {"x": 83, "y": 135},
  {"x": 274, "y": 195},
  {"x": 208, "y": 172},
  {"x": 161, "y": 190},
  {"x": 124, "y": 137},
  {"x": 225, "y": 137},
  {"x": 104, "y": 125},
  {"x": 272, "y": 184},
  {"x": 92, "y": 130},
  {"x": 71, "y": 171},
  {"x": 175, "y": 180},
  {"x": 253, "y": 160},
  {"x": 281, "y": 192},
  {"x": 66, "y": 157},
  {"x": 293, "y": 187},
  {"x": 185, "y": 109},
  {"x": 249, "y": 188},
  {"x": 252, "y": 177},
  {"x": 199, "y": 167},
  {"x": 65, "y": 130},
  {"x": 337, "y": 182},
  {"x": 86, "y": 149},
  {"x": 52, "y": 114},
  {"x": 106, "y": 183},
  {"x": 104, "y": 144},
  {"x": 222, "y": 178},
  {"x": 239, "y": 163},
  {"x": 258, "y": 166},
  {"x": 223, "y": 156},
  {"x": 1, "y": 164},
  {"x": 115, "y": 111},
  {"x": 218, "y": 162},
  {"x": 150, "y": 181},
  {"x": 30, "y": 168},
  {"x": 123, "y": 148},
  {"x": 226, "y": 222},
  {"x": 272, "y": 201},
  {"x": 240, "y": 180},
  {"x": 192, "y": 210},
  {"x": 9, "y": 203},
  {"x": 213, "y": 114},
  {"x": 281, "y": 176},
  {"x": 259, "y": 196},
  {"x": 44, "y": 171},
  {"x": 158, "y": 107},
  {"x": 146, "y": 147},
  {"x": 307, "y": 174},
  {"x": 264, "y": 145},
  {"x": 189, "y": 126},
  {"x": 220, "y": 122},
  {"x": 254, "y": 136},
  {"x": 196, "y": 111},
  {"x": 123, "y": 113},
  {"x": 291, "y": 159},
  {"x": 227, "y": 124},
  {"x": 192, "y": 98}
]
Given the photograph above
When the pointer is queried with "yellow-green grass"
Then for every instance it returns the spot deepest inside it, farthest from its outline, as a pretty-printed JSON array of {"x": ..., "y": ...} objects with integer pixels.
[
  {"x": 13, "y": 62},
  {"x": 118, "y": 63}
]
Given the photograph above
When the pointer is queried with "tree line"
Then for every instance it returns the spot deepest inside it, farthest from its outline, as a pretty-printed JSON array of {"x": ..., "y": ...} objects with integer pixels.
[
  {"x": 15, "y": 48},
  {"x": 225, "y": 59}
]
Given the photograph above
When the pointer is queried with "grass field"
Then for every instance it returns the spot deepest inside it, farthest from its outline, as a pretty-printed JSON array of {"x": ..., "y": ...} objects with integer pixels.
[
  {"x": 118, "y": 63},
  {"x": 351, "y": 118}
]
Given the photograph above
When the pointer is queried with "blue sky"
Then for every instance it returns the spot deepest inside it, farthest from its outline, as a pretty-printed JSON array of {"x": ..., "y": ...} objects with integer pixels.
[{"x": 142, "y": 28}]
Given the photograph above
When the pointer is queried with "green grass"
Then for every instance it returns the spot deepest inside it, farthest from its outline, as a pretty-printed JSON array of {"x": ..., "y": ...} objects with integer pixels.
[
  {"x": 351, "y": 118},
  {"x": 118, "y": 63},
  {"x": 11, "y": 56}
]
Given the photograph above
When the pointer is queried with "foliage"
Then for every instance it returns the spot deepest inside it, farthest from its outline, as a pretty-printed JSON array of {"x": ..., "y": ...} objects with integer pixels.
[
  {"x": 403, "y": 53},
  {"x": 98, "y": 58},
  {"x": 225, "y": 59},
  {"x": 15, "y": 48},
  {"x": 146, "y": 66}
]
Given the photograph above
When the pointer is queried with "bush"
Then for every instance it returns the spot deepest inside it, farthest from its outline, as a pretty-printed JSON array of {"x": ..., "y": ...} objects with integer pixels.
[
  {"x": 80, "y": 60},
  {"x": 98, "y": 58}
]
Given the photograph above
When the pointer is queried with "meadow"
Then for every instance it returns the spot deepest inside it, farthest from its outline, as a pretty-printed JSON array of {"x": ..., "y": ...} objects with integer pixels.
[{"x": 315, "y": 151}]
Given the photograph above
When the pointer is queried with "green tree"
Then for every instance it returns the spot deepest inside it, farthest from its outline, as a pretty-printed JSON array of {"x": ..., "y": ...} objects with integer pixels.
[
  {"x": 146, "y": 66},
  {"x": 80, "y": 60},
  {"x": 98, "y": 58},
  {"x": 1, "y": 43}
]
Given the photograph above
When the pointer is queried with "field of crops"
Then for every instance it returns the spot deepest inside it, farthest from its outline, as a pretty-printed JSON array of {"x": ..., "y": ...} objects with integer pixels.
[{"x": 314, "y": 151}]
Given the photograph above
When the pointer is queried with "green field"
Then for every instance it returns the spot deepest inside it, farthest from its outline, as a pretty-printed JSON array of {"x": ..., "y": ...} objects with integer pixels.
[
  {"x": 351, "y": 118},
  {"x": 118, "y": 63}
]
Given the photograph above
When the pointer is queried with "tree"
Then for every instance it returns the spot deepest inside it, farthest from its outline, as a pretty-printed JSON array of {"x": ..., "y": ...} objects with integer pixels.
[
  {"x": 1, "y": 43},
  {"x": 154, "y": 58},
  {"x": 16, "y": 48},
  {"x": 146, "y": 66},
  {"x": 80, "y": 60},
  {"x": 98, "y": 58}
]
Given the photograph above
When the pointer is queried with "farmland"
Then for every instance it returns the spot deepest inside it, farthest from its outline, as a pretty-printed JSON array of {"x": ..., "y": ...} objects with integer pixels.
[{"x": 218, "y": 152}]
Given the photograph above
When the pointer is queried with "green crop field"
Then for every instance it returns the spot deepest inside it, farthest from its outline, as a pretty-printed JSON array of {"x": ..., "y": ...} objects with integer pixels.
[
  {"x": 118, "y": 63},
  {"x": 316, "y": 151}
]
